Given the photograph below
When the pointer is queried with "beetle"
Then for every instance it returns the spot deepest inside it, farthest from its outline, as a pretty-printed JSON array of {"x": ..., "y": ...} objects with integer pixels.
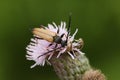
[{"x": 51, "y": 36}]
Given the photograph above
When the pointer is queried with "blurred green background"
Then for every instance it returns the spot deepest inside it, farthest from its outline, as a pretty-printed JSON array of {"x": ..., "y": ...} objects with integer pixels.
[{"x": 99, "y": 26}]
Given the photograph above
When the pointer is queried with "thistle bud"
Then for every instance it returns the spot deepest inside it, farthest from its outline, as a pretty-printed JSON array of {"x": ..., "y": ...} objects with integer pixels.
[{"x": 93, "y": 75}]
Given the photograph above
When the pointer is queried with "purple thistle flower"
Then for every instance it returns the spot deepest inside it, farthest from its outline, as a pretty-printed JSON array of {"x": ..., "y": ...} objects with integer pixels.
[{"x": 39, "y": 50}]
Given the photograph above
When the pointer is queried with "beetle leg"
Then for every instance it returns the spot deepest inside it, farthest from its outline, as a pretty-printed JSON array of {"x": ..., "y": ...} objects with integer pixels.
[
  {"x": 62, "y": 35},
  {"x": 56, "y": 45},
  {"x": 50, "y": 44},
  {"x": 49, "y": 51}
]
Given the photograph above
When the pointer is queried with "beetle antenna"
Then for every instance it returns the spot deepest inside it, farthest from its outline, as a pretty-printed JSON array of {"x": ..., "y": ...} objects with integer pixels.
[
  {"x": 50, "y": 51},
  {"x": 69, "y": 25}
]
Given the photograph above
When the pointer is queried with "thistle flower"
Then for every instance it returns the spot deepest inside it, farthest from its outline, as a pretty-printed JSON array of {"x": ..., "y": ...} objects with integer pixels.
[
  {"x": 39, "y": 50},
  {"x": 55, "y": 45}
]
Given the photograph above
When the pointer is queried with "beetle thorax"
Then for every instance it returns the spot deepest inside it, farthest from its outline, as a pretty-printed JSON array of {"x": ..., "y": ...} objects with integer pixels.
[{"x": 57, "y": 39}]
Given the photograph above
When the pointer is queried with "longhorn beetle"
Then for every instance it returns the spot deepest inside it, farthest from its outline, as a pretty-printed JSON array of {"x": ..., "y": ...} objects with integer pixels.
[{"x": 52, "y": 36}]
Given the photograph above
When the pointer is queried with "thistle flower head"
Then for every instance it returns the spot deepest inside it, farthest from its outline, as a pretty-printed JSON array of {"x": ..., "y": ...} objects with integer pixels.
[{"x": 40, "y": 50}]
